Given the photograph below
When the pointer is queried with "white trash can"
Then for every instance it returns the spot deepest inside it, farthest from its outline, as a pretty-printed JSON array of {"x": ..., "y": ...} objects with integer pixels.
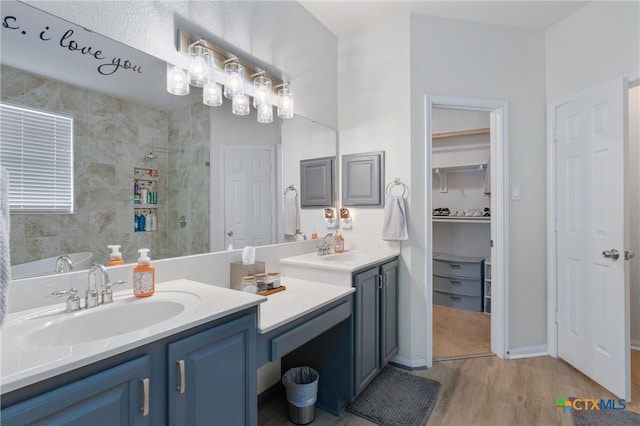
[{"x": 302, "y": 393}]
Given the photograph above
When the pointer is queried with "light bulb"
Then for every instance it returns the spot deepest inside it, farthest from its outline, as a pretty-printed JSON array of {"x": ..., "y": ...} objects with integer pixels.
[
  {"x": 240, "y": 105},
  {"x": 199, "y": 67},
  {"x": 177, "y": 82},
  {"x": 265, "y": 113},
  {"x": 233, "y": 85},
  {"x": 212, "y": 94}
]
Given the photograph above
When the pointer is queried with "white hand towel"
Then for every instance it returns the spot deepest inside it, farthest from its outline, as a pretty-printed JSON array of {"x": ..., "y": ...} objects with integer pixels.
[
  {"x": 5, "y": 256},
  {"x": 395, "y": 219},
  {"x": 290, "y": 219}
]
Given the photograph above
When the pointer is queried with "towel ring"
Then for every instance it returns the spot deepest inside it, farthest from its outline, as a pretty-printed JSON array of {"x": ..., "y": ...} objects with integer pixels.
[
  {"x": 395, "y": 183},
  {"x": 290, "y": 188}
]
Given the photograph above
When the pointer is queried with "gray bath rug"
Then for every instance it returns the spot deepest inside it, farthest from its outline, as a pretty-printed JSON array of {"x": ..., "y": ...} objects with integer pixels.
[
  {"x": 605, "y": 418},
  {"x": 397, "y": 398}
]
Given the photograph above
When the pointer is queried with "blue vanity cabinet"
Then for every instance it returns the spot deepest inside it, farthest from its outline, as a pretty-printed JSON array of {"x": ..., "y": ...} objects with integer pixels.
[
  {"x": 376, "y": 321},
  {"x": 113, "y": 397},
  {"x": 212, "y": 376},
  {"x": 388, "y": 311},
  {"x": 218, "y": 388}
]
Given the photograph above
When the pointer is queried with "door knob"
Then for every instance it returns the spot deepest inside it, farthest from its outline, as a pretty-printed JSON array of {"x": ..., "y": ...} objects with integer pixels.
[
  {"x": 230, "y": 233},
  {"x": 612, "y": 254},
  {"x": 628, "y": 255}
]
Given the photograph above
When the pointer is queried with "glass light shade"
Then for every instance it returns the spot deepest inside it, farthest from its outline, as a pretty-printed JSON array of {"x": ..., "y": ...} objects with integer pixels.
[
  {"x": 240, "y": 104},
  {"x": 199, "y": 69},
  {"x": 177, "y": 80},
  {"x": 263, "y": 91},
  {"x": 233, "y": 86},
  {"x": 285, "y": 103},
  {"x": 212, "y": 94},
  {"x": 265, "y": 113}
]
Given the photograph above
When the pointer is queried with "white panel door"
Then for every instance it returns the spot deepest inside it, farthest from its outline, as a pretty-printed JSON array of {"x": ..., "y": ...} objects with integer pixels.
[
  {"x": 593, "y": 291},
  {"x": 249, "y": 196}
]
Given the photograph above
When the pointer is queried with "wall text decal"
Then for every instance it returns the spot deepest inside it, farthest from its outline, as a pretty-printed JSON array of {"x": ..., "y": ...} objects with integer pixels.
[{"x": 69, "y": 42}]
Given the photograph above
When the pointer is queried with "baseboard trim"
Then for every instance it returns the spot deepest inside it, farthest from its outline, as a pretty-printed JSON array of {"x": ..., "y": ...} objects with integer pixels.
[
  {"x": 409, "y": 364},
  {"x": 635, "y": 344},
  {"x": 527, "y": 352},
  {"x": 271, "y": 392}
]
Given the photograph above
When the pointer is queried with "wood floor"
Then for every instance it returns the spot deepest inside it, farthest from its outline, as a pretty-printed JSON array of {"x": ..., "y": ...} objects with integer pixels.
[
  {"x": 458, "y": 333},
  {"x": 489, "y": 391}
]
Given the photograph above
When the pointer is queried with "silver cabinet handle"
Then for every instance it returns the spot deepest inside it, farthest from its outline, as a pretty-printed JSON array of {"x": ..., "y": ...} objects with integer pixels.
[
  {"x": 181, "y": 385},
  {"x": 145, "y": 397},
  {"x": 628, "y": 255},
  {"x": 611, "y": 254}
]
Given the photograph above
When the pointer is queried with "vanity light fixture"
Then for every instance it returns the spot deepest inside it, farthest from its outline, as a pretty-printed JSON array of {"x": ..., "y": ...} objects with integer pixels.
[
  {"x": 285, "y": 101},
  {"x": 199, "y": 68},
  {"x": 211, "y": 66},
  {"x": 177, "y": 80},
  {"x": 233, "y": 85}
]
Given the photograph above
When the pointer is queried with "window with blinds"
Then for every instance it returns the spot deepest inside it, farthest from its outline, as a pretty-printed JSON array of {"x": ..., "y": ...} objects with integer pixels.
[{"x": 36, "y": 147}]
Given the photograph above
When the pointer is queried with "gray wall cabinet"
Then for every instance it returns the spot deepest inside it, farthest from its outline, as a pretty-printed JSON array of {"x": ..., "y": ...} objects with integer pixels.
[
  {"x": 219, "y": 383},
  {"x": 362, "y": 179},
  {"x": 376, "y": 321},
  {"x": 316, "y": 182}
]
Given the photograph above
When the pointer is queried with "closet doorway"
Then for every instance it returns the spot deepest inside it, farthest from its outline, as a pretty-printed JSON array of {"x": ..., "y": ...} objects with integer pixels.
[
  {"x": 467, "y": 238},
  {"x": 461, "y": 233}
]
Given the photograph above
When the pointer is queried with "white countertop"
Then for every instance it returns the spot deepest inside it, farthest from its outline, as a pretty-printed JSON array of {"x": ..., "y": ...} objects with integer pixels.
[
  {"x": 300, "y": 298},
  {"x": 349, "y": 260},
  {"x": 22, "y": 366}
]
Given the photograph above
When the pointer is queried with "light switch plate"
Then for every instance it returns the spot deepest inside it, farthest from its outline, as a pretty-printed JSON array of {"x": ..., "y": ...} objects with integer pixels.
[{"x": 515, "y": 192}]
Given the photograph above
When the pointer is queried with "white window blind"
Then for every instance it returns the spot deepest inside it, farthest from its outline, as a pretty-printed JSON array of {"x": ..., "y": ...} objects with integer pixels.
[{"x": 36, "y": 147}]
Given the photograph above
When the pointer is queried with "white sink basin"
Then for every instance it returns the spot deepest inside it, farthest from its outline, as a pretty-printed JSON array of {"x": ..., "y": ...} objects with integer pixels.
[
  {"x": 340, "y": 257},
  {"x": 123, "y": 316}
]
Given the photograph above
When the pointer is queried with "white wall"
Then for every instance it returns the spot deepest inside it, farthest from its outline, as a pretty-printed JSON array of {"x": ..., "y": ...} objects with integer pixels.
[
  {"x": 280, "y": 36},
  {"x": 375, "y": 115},
  {"x": 481, "y": 61},
  {"x": 597, "y": 42},
  {"x": 634, "y": 208}
]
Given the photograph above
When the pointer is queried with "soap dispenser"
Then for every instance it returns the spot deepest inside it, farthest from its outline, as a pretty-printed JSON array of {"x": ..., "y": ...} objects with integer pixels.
[
  {"x": 144, "y": 275},
  {"x": 115, "y": 257}
]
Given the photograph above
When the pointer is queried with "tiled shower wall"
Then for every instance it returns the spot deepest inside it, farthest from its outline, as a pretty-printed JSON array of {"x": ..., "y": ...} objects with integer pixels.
[
  {"x": 111, "y": 138},
  {"x": 189, "y": 180}
]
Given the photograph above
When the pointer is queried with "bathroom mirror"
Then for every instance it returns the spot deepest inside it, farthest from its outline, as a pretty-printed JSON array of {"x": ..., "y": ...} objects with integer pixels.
[{"x": 125, "y": 119}]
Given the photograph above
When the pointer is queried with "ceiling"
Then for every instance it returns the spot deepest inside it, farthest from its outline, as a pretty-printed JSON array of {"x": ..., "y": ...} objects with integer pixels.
[{"x": 341, "y": 17}]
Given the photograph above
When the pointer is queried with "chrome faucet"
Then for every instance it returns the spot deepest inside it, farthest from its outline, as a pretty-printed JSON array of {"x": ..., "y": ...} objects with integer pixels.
[
  {"x": 63, "y": 264},
  {"x": 103, "y": 294},
  {"x": 325, "y": 248},
  {"x": 92, "y": 297}
]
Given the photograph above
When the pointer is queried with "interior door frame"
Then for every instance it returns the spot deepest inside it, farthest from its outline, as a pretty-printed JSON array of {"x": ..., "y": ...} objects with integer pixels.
[
  {"x": 552, "y": 240},
  {"x": 498, "y": 110}
]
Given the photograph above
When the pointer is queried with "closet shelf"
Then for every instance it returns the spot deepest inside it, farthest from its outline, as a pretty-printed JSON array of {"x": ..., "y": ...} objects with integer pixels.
[
  {"x": 443, "y": 171},
  {"x": 471, "y": 132},
  {"x": 461, "y": 219}
]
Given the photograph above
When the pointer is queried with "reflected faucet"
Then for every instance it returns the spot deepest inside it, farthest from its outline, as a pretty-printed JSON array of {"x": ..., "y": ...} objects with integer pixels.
[
  {"x": 64, "y": 264},
  {"x": 326, "y": 248},
  {"x": 92, "y": 298}
]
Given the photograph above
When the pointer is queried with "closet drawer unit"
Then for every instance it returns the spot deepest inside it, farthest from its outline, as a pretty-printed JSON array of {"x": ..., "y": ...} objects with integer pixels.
[
  {"x": 457, "y": 266},
  {"x": 458, "y": 286},
  {"x": 469, "y": 303}
]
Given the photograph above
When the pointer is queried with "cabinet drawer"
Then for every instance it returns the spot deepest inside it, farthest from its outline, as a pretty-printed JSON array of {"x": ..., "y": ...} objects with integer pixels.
[
  {"x": 470, "y": 303},
  {"x": 457, "y": 269},
  {"x": 454, "y": 285}
]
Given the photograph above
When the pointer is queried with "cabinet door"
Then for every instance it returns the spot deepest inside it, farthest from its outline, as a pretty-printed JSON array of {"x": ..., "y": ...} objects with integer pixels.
[
  {"x": 112, "y": 397},
  {"x": 212, "y": 376},
  {"x": 367, "y": 331},
  {"x": 389, "y": 312}
]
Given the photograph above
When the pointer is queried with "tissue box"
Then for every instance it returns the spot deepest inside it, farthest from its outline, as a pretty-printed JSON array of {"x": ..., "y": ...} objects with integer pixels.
[{"x": 239, "y": 270}]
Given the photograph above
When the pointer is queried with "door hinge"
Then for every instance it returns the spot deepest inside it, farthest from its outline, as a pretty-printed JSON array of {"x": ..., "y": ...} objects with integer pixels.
[
  {"x": 555, "y": 135},
  {"x": 555, "y": 317},
  {"x": 491, "y": 244}
]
